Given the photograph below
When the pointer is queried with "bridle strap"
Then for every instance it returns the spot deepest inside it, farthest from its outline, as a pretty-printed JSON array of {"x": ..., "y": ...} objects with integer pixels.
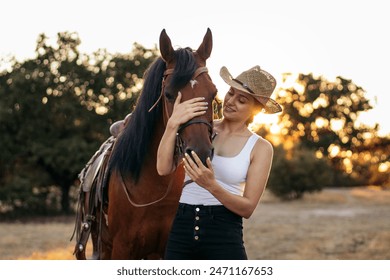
[
  {"x": 193, "y": 121},
  {"x": 170, "y": 71},
  {"x": 179, "y": 149},
  {"x": 199, "y": 71}
]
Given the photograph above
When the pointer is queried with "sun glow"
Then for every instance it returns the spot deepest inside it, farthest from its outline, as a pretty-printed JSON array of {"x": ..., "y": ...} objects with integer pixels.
[
  {"x": 321, "y": 122},
  {"x": 336, "y": 124},
  {"x": 384, "y": 167},
  {"x": 333, "y": 150},
  {"x": 265, "y": 119}
]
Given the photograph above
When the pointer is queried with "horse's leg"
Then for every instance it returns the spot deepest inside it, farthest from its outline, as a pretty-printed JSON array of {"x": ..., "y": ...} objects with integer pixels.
[
  {"x": 164, "y": 233},
  {"x": 121, "y": 248},
  {"x": 127, "y": 238}
]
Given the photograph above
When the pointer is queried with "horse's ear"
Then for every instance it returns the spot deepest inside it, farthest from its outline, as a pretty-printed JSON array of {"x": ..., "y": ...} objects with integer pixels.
[
  {"x": 166, "y": 49},
  {"x": 205, "y": 48}
]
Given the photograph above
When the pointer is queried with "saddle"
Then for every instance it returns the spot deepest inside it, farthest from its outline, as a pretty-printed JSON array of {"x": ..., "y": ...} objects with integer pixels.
[
  {"x": 89, "y": 173},
  {"x": 93, "y": 190},
  {"x": 93, "y": 187}
]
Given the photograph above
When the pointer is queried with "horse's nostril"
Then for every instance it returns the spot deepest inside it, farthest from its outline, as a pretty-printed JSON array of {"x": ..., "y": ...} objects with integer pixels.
[{"x": 202, "y": 155}]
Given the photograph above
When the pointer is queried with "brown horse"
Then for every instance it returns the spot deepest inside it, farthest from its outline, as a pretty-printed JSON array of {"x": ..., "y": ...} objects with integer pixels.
[{"x": 141, "y": 203}]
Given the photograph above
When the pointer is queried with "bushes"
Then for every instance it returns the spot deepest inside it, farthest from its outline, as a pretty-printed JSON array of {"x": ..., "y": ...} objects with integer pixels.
[{"x": 298, "y": 171}]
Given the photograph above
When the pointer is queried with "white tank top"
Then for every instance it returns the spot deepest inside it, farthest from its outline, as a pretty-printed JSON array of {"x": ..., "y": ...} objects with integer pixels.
[{"x": 230, "y": 173}]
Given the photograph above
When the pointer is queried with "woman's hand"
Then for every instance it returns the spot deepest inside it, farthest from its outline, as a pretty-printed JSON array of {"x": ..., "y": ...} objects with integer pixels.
[
  {"x": 198, "y": 172},
  {"x": 183, "y": 112}
]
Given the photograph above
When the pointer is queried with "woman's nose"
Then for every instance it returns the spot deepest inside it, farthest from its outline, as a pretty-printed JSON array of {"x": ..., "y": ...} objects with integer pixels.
[{"x": 230, "y": 100}]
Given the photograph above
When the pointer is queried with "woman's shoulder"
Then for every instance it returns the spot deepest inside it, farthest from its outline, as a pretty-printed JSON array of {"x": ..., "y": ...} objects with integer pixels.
[{"x": 262, "y": 146}]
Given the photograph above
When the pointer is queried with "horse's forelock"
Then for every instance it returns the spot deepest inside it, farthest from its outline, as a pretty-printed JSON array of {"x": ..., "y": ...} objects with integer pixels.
[{"x": 184, "y": 69}]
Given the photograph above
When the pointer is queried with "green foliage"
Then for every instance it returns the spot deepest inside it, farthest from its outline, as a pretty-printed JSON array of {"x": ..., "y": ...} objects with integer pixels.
[
  {"x": 55, "y": 111},
  {"x": 297, "y": 172}
]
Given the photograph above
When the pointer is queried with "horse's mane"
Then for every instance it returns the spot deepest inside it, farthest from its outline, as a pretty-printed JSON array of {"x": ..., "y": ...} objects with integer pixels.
[{"x": 133, "y": 144}]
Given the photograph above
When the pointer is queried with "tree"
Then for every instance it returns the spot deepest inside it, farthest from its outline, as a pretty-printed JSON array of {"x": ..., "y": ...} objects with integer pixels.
[
  {"x": 322, "y": 116},
  {"x": 55, "y": 110}
]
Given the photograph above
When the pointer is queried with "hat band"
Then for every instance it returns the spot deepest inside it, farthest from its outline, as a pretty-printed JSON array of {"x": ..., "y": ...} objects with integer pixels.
[{"x": 243, "y": 85}]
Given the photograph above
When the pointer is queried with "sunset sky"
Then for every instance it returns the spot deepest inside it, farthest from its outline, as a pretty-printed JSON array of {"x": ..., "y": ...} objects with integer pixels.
[{"x": 330, "y": 38}]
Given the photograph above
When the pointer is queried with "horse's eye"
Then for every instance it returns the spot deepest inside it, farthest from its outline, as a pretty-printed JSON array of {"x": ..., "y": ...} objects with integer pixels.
[{"x": 169, "y": 95}]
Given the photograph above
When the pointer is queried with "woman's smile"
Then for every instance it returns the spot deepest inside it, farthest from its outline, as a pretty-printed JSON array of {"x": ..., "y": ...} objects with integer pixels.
[{"x": 229, "y": 109}]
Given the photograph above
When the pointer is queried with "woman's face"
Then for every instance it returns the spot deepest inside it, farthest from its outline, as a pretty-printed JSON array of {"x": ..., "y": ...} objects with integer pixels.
[{"x": 238, "y": 105}]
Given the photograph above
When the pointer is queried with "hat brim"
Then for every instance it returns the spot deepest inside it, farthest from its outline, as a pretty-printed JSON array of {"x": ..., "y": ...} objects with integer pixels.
[{"x": 270, "y": 105}]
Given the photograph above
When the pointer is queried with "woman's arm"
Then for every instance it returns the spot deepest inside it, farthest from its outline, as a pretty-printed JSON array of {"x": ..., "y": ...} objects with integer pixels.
[
  {"x": 257, "y": 177},
  {"x": 182, "y": 112}
]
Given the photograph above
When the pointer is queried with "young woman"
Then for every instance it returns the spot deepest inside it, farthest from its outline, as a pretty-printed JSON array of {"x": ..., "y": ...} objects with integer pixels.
[{"x": 208, "y": 223}]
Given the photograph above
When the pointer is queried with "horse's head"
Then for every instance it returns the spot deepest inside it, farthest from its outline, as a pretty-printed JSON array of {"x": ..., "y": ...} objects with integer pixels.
[{"x": 186, "y": 72}]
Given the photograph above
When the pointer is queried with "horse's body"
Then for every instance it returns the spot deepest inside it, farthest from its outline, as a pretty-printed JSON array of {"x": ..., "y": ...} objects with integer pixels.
[
  {"x": 137, "y": 231},
  {"x": 135, "y": 220}
]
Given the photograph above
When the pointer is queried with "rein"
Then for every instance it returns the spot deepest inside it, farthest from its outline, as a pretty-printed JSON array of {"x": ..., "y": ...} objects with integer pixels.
[
  {"x": 139, "y": 205},
  {"x": 179, "y": 141}
]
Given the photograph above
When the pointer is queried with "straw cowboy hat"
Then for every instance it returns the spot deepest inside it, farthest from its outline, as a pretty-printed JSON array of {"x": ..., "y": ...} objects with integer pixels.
[{"x": 258, "y": 83}]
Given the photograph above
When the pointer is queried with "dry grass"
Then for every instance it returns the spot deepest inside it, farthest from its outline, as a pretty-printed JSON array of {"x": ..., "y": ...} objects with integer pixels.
[
  {"x": 350, "y": 224},
  {"x": 333, "y": 224},
  {"x": 36, "y": 240}
]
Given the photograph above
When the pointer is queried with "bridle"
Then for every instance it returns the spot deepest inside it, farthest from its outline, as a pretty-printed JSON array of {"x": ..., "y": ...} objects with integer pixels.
[
  {"x": 180, "y": 143},
  {"x": 179, "y": 149}
]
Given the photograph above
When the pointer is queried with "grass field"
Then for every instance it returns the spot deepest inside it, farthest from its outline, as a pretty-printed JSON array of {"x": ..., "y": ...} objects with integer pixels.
[{"x": 349, "y": 224}]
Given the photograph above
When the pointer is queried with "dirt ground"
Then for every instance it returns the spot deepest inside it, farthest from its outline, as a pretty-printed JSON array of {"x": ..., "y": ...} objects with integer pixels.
[{"x": 347, "y": 224}]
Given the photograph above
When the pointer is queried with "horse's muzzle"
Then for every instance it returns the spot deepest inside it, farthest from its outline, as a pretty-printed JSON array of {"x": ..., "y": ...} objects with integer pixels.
[{"x": 203, "y": 154}]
